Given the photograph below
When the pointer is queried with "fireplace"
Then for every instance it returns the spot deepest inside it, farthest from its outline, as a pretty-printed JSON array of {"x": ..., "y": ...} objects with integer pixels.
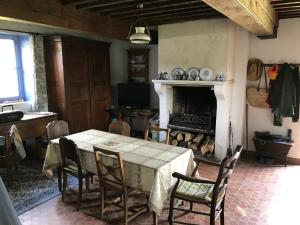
[
  {"x": 194, "y": 109},
  {"x": 196, "y": 106}
]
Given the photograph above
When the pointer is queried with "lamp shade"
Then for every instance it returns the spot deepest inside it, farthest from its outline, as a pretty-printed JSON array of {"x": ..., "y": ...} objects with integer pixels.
[{"x": 140, "y": 36}]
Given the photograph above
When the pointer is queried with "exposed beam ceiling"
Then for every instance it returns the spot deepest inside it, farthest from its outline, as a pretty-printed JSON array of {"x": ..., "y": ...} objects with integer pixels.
[
  {"x": 155, "y": 12},
  {"x": 286, "y": 9},
  {"x": 51, "y": 13},
  {"x": 257, "y": 16}
]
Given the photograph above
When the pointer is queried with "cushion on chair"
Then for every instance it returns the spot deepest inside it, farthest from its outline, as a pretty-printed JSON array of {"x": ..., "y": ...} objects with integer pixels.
[{"x": 201, "y": 191}]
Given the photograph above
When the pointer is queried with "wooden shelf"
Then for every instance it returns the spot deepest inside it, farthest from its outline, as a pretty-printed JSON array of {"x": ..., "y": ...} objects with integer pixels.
[{"x": 141, "y": 58}]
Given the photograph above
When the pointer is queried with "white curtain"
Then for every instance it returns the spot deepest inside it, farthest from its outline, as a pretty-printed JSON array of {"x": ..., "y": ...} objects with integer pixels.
[{"x": 41, "y": 103}]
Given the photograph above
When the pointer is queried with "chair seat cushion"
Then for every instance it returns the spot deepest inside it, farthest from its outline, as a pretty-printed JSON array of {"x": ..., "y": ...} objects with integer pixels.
[{"x": 200, "y": 191}]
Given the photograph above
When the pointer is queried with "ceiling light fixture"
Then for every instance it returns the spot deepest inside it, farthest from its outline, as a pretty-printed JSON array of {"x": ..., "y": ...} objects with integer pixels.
[{"x": 139, "y": 32}]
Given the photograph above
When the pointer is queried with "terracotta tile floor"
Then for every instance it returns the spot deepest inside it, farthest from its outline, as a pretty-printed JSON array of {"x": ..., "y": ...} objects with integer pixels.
[{"x": 257, "y": 195}]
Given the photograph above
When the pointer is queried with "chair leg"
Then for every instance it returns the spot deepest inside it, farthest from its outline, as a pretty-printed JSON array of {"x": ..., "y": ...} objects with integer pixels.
[
  {"x": 191, "y": 206},
  {"x": 212, "y": 216},
  {"x": 87, "y": 184},
  {"x": 64, "y": 183},
  {"x": 102, "y": 202},
  {"x": 79, "y": 198},
  {"x": 59, "y": 177},
  {"x": 170, "y": 217},
  {"x": 9, "y": 175},
  {"x": 222, "y": 216},
  {"x": 125, "y": 204}
]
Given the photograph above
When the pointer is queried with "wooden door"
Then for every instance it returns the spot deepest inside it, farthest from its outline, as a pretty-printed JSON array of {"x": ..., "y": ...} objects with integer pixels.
[
  {"x": 100, "y": 92},
  {"x": 77, "y": 90}
]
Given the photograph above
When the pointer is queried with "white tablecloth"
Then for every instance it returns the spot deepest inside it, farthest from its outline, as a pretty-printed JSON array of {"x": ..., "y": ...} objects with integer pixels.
[{"x": 148, "y": 165}]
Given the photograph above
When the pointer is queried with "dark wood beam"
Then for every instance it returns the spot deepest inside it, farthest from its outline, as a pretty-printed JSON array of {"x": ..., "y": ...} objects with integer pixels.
[
  {"x": 286, "y": 6},
  {"x": 183, "y": 16},
  {"x": 159, "y": 9},
  {"x": 164, "y": 10},
  {"x": 288, "y": 13},
  {"x": 52, "y": 13},
  {"x": 190, "y": 12},
  {"x": 289, "y": 16},
  {"x": 148, "y": 6},
  {"x": 76, "y": 2},
  {"x": 284, "y": 2},
  {"x": 102, "y": 3},
  {"x": 185, "y": 19},
  {"x": 288, "y": 10}
]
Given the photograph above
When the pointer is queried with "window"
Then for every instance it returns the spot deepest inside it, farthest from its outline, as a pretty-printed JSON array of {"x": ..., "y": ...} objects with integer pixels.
[{"x": 11, "y": 71}]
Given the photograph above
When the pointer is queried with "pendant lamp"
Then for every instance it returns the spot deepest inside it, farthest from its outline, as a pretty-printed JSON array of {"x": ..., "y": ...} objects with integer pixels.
[{"x": 139, "y": 32}]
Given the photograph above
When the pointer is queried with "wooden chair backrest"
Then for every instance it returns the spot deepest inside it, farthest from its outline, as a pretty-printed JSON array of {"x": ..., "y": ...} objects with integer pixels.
[
  {"x": 10, "y": 154},
  {"x": 110, "y": 171},
  {"x": 69, "y": 153},
  {"x": 151, "y": 129},
  {"x": 226, "y": 168},
  {"x": 119, "y": 127},
  {"x": 56, "y": 129}
]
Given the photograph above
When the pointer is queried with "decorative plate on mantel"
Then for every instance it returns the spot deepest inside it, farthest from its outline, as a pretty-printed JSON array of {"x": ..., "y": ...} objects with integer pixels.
[
  {"x": 176, "y": 73},
  {"x": 193, "y": 73},
  {"x": 207, "y": 74}
]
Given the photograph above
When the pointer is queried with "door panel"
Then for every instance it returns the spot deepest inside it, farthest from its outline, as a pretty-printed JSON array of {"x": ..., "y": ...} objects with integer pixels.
[
  {"x": 100, "y": 91},
  {"x": 77, "y": 83}
]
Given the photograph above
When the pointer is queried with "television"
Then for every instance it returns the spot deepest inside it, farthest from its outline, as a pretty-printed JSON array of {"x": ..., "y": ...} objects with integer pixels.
[{"x": 135, "y": 95}]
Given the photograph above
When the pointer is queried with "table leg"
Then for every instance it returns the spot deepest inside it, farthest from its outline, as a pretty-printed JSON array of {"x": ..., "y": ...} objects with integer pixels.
[{"x": 155, "y": 221}]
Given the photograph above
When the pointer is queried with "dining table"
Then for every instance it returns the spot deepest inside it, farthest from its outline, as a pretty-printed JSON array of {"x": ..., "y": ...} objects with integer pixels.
[{"x": 148, "y": 165}]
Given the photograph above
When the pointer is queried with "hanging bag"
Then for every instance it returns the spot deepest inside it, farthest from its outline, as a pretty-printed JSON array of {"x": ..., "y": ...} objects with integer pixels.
[
  {"x": 257, "y": 96},
  {"x": 254, "y": 69}
]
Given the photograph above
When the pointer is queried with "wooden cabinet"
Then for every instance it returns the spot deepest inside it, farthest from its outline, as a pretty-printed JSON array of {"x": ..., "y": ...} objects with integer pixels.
[
  {"x": 138, "y": 65},
  {"x": 78, "y": 81}
]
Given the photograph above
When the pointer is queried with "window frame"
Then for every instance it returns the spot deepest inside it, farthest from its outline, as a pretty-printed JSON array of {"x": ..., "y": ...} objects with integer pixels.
[{"x": 19, "y": 65}]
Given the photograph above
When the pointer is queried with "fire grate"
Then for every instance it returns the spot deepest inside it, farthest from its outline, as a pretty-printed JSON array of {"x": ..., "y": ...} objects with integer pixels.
[{"x": 201, "y": 121}]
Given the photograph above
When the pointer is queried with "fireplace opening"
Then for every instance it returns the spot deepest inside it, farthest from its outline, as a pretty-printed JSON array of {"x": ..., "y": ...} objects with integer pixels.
[
  {"x": 193, "y": 120},
  {"x": 194, "y": 109}
]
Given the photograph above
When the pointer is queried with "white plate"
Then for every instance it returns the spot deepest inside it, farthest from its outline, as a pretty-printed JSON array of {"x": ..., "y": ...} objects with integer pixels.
[
  {"x": 177, "y": 72},
  {"x": 207, "y": 73},
  {"x": 193, "y": 73}
]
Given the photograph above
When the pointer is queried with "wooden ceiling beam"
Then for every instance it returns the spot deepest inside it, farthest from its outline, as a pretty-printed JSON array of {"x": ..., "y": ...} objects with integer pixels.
[
  {"x": 288, "y": 10},
  {"x": 289, "y": 16},
  {"x": 184, "y": 19},
  {"x": 183, "y": 16},
  {"x": 148, "y": 6},
  {"x": 257, "y": 16},
  {"x": 288, "y": 13},
  {"x": 76, "y": 2},
  {"x": 163, "y": 10},
  {"x": 51, "y": 13},
  {"x": 286, "y": 6},
  {"x": 195, "y": 12},
  {"x": 109, "y": 3},
  {"x": 284, "y": 2}
]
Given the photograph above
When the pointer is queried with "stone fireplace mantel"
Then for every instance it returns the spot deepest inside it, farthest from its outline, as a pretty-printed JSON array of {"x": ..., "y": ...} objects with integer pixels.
[{"x": 222, "y": 91}]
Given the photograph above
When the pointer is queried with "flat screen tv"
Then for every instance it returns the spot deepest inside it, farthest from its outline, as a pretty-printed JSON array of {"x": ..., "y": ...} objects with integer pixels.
[{"x": 134, "y": 95}]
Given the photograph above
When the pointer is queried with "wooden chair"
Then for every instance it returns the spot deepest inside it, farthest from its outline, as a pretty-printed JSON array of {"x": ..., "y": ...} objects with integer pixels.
[
  {"x": 119, "y": 127},
  {"x": 57, "y": 129},
  {"x": 10, "y": 157},
  {"x": 151, "y": 130},
  {"x": 71, "y": 165},
  {"x": 203, "y": 191},
  {"x": 112, "y": 177}
]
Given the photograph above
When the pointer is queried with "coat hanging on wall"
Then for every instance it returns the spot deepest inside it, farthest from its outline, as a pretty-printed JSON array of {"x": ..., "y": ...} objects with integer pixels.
[{"x": 284, "y": 94}]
